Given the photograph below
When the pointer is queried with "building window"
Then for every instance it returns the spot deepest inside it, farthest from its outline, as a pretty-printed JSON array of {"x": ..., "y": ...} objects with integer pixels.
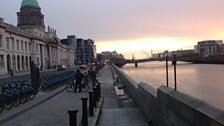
[
  {"x": 1, "y": 60},
  {"x": 1, "y": 41},
  {"x": 17, "y": 44},
  {"x": 21, "y": 45},
  {"x": 26, "y": 46},
  {"x": 13, "y": 43},
  {"x": 7, "y": 42}
]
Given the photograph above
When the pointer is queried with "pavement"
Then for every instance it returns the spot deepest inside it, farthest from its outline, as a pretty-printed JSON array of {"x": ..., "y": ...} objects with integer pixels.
[
  {"x": 51, "y": 108},
  {"x": 118, "y": 108},
  {"x": 48, "y": 109}
]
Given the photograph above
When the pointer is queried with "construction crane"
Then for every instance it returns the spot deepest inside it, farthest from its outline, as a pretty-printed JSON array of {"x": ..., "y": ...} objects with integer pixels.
[{"x": 148, "y": 56}]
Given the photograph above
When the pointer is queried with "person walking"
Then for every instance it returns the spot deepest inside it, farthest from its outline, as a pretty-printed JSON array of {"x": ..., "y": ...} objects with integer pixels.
[
  {"x": 92, "y": 75},
  {"x": 78, "y": 78}
]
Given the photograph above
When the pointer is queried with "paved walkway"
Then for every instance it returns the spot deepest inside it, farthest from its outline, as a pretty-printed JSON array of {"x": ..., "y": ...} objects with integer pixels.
[
  {"x": 47, "y": 109},
  {"x": 117, "y": 110},
  {"x": 51, "y": 108}
]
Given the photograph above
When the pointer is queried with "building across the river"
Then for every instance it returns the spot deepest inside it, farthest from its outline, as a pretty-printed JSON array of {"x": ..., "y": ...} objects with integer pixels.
[{"x": 28, "y": 41}]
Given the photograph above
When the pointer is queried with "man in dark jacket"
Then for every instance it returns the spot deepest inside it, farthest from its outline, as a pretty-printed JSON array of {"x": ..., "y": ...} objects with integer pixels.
[
  {"x": 92, "y": 75},
  {"x": 78, "y": 78}
]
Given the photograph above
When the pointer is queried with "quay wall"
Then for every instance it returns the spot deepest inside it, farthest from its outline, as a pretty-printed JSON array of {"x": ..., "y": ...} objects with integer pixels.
[{"x": 167, "y": 107}]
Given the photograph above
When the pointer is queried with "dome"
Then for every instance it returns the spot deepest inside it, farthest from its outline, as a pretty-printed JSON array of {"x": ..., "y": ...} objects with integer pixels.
[{"x": 32, "y": 3}]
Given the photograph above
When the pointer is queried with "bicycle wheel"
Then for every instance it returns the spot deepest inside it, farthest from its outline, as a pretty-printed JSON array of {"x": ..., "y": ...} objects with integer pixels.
[
  {"x": 8, "y": 104},
  {"x": 32, "y": 95},
  {"x": 85, "y": 87},
  {"x": 1, "y": 107},
  {"x": 23, "y": 99},
  {"x": 69, "y": 86},
  {"x": 16, "y": 101}
]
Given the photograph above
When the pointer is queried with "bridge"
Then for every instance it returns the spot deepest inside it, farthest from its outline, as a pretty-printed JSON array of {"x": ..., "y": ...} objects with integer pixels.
[{"x": 194, "y": 59}]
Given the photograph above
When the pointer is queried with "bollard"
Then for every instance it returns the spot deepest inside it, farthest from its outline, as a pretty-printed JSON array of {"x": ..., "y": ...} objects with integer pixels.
[
  {"x": 91, "y": 112},
  {"x": 98, "y": 92},
  {"x": 99, "y": 85},
  {"x": 72, "y": 117},
  {"x": 95, "y": 94},
  {"x": 149, "y": 122},
  {"x": 84, "y": 112}
]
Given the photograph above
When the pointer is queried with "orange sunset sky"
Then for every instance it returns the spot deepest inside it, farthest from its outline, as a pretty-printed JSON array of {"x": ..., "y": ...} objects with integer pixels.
[{"x": 131, "y": 26}]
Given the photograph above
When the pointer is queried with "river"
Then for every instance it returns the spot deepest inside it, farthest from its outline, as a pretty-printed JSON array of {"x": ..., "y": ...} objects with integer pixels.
[{"x": 203, "y": 81}]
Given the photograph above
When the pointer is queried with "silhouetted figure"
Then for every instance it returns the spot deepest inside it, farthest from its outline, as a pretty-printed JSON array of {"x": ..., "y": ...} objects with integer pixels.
[
  {"x": 92, "y": 75},
  {"x": 78, "y": 78},
  {"x": 11, "y": 72}
]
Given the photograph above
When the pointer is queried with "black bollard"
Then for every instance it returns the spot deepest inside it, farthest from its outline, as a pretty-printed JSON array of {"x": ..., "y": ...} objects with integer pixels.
[
  {"x": 99, "y": 85},
  {"x": 95, "y": 94},
  {"x": 72, "y": 117},
  {"x": 91, "y": 112},
  {"x": 84, "y": 112},
  {"x": 149, "y": 122}
]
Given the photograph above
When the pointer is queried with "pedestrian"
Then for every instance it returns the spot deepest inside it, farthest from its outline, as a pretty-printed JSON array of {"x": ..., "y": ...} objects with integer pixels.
[
  {"x": 86, "y": 78},
  {"x": 11, "y": 72},
  {"x": 92, "y": 75},
  {"x": 78, "y": 78}
]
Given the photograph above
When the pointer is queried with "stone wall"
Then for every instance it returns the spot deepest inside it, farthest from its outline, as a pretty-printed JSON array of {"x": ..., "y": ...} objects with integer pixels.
[{"x": 167, "y": 107}]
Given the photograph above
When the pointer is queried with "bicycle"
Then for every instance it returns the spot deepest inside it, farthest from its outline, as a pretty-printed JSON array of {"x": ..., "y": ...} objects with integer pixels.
[{"x": 70, "y": 86}]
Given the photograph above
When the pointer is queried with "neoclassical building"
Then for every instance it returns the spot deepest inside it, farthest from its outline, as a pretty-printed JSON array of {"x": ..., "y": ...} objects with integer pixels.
[{"x": 30, "y": 42}]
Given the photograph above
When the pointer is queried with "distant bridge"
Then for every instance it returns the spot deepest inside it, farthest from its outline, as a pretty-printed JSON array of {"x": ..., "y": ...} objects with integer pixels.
[{"x": 204, "y": 60}]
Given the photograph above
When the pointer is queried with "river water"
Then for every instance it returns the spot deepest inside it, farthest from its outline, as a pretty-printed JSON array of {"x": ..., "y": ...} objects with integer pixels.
[{"x": 203, "y": 81}]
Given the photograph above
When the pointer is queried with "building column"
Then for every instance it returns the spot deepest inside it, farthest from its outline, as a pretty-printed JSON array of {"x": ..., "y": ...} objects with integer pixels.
[
  {"x": 58, "y": 56},
  {"x": 50, "y": 55},
  {"x": 28, "y": 63},
  {"x": 16, "y": 69},
  {"x": 33, "y": 50},
  {"x": 5, "y": 63}
]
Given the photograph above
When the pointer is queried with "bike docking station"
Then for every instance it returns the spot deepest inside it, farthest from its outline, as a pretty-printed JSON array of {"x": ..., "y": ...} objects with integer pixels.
[{"x": 89, "y": 115}]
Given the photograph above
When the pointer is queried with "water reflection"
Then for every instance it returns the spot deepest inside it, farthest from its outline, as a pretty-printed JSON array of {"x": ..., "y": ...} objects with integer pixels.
[{"x": 204, "y": 81}]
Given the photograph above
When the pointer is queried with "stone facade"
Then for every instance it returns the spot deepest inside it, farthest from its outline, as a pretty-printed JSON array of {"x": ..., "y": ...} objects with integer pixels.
[
  {"x": 30, "y": 42},
  {"x": 209, "y": 48}
]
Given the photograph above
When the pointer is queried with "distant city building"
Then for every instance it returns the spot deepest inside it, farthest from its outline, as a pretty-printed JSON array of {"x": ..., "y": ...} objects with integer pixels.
[
  {"x": 184, "y": 53},
  {"x": 196, "y": 49},
  {"x": 85, "y": 50},
  {"x": 30, "y": 42},
  {"x": 221, "y": 49},
  {"x": 209, "y": 47}
]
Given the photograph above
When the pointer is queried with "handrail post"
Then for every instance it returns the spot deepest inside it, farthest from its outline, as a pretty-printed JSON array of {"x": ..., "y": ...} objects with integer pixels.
[
  {"x": 175, "y": 71},
  {"x": 167, "y": 77}
]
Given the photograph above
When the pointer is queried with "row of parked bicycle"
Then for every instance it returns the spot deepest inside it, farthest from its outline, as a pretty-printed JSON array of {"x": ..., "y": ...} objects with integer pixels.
[
  {"x": 53, "y": 81},
  {"x": 14, "y": 93}
]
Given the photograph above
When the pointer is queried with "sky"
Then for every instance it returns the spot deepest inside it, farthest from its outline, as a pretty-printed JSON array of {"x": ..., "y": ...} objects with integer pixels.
[{"x": 131, "y": 26}]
